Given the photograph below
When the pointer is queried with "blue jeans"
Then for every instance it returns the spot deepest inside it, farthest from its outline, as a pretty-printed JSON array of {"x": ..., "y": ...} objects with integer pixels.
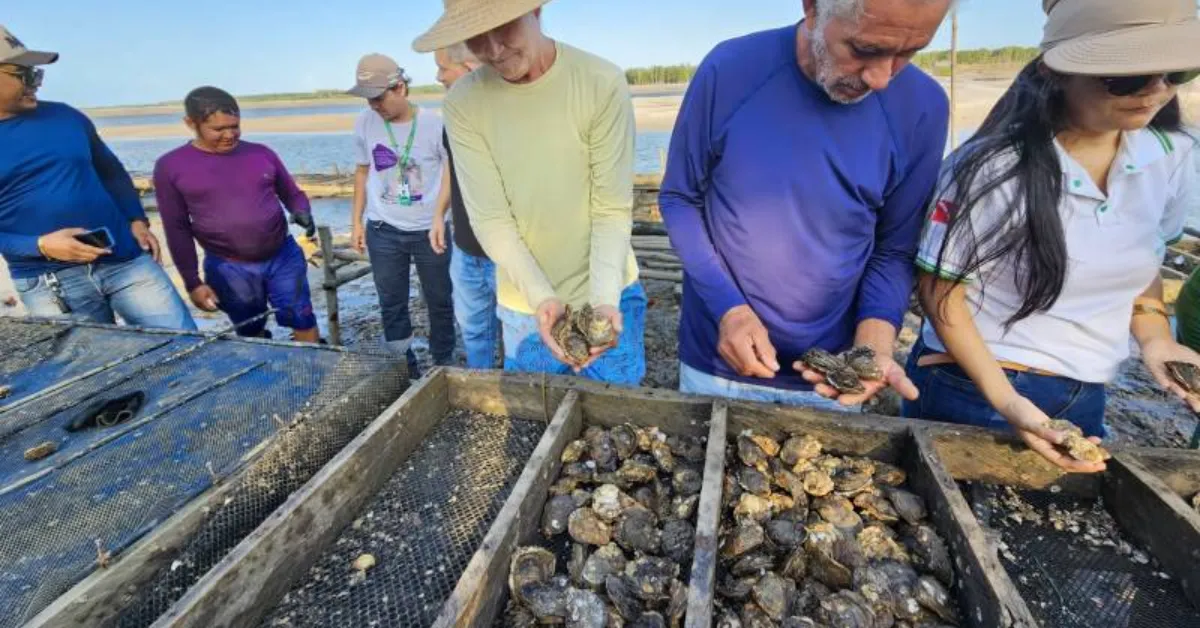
[
  {"x": 949, "y": 395},
  {"x": 475, "y": 307},
  {"x": 392, "y": 251},
  {"x": 245, "y": 288},
  {"x": 624, "y": 364},
  {"x": 697, "y": 382},
  {"x": 138, "y": 291}
]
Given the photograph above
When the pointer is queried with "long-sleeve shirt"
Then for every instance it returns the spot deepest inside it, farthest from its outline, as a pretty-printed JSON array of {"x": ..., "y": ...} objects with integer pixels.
[
  {"x": 228, "y": 203},
  {"x": 56, "y": 173},
  {"x": 807, "y": 210},
  {"x": 546, "y": 170}
]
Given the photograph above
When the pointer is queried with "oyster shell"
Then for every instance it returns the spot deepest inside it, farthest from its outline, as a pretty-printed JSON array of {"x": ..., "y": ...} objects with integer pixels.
[
  {"x": 602, "y": 450},
  {"x": 651, "y": 577},
  {"x": 746, "y": 537},
  {"x": 637, "y": 531},
  {"x": 1186, "y": 374},
  {"x": 735, "y": 588},
  {"x": 625, "y": 440},
  {"x": 554, "y": 517},
  {"x": 579, "y": 556},
  {"x": 575, "y": 451},
  {"x": 687, "y": 481},
  {"x": 769, "y": 445},
  {"x": 597, "y": 329},
  {"x": 839, "y": 511},
  {"x": 876, "y": 545},
  {"x": 889, "y": 475},
  {"x": 795, "y": 565},
  {"x": 862, "y": 360},
  {"x": 677, "y": 605},
  {"x": 609, "y": 502},
  {"x": 623, "y": 595},
  {"x": 751, "y": 454},
  {"x": 572, "y": 342},
  {"x": 604, "y": 562},
  {"x": 689, "y": 448},
  {"x": 799, "y": 448},
  {"x": 663, "y": 456},
  {"x": 932, "y": 595},
  {"x": 753, "y": 564},
  {"x": 684, "y": 507},
  {"x": 772, "y": 594},
  {"x": 586, "y": 527},
  {"x": 846, "y": 381},
  {"x": 754, "y": 481},
  {"x": 818, "y": 483},
  {"x": 846, "y": 609},
  {"x": 876, "y": 507},
  {"x": 822, "y": 361},
  {"x": 785, "y": 533},
  {"x": 678, "y": 539},
  {"x": 636, "y": 472},
  {"x": 908, "y": 505},
  {"x": 529, "y": 565},
  {"x": 753, "y": 616},
  {"x": 753, "y": 508},
  {"x": 585, "y": 609},
  {"x": 930, "y": 553},
  {"x": 547, "y": 601}
]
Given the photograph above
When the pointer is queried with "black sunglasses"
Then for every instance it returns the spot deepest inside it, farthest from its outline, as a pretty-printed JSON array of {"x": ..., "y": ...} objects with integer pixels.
[
  {"x": 1130, "y": 85},
  {"x": 30, "y": 77}
]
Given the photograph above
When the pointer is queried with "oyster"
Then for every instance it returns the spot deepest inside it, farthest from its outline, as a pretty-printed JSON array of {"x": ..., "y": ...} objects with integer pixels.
[
  {"x": 637, "y": 531},
  {"x": 584, "y": 471},
  {"x": 862, "y": 360},
  {"x": 877, "y": 545},
  {"x": 677, "y": 605},
  {"x": 889, "y": 475},
  {"x": 547, "y": 601},
  {"x": 753, "y": 508},
  {"x": 565, "y": 485},
  {"x": 1077, "y": 446},
  {"x": 785, "y": 533},
  {"x": 585, "y": 609},
  {"x": 909, "y": 506},
  {"x": 625, "y": 440},
  {"x": 826, "y": 569},
  {"x": 579, "y": 556},
  {"x": 554, "y": 516},
  {"x": 687, "y": 481},
  {"x": 623, "y": 595},
  {"x": 684, "y": 507},
  {"x": 808, "y": 596},
  {"x": 1186, "y": 374},
  {"x": 735, "y": 588},
  {"x": 888, "y": 587},
  {"x": 570, "y": 339},
  {"x": 609, "y": 502},
  {"x": 678, "y": 538},
  {"x": 517, "y": 616},
  {"x": 822, "y": 361},
  {"x": 850, "y": 481},
  {"x": 602, "y": 450},
  {"x": 769, "y": 445},
  {"x": 754, "y": 481},
  {"x": 846, "y": 381},
  {"x": 790, "y": 482},
  {"x": 795, "y": 565},
  {"x": 932, "y": 595},
  {"x": 846, "y": 609},
  {"x": 636, "y": 472},
  {"x": 651, "y": 619},
  {"x": 689, "y": 448},
  {"x": 574, "y": 451},
  {"x": 930, "y": 553},
  {"x": 746, "y": 537},
  {"x": 781, "y": 502},
  {"x": 663, "y": 456},
  {"x": 604, "y": 562},
  {"x": 799, "y": 448},
  {"x": 753, "y": 564},
  {"x": 651, "y": 577},
  {"x": 597, "y": 329},
  {"x": 772, "y": 594},
  {"x": 751, "y": 454},
  {"x": 753, "y": 616},
  {"x": 581, "y": 497},
  {"x": 728, "y": 619},
  {"x": 586, "y": 527},
  {"x": 818, "y": 483},
  {"x": 876, "y": 507},
  {"x": 838, "y": 511},
  {"x": 646, "y": 496},
  {"x": 529, "y": 565}
]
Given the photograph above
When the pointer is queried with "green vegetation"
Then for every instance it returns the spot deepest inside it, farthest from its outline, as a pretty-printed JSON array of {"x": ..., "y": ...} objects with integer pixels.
[
  {"x": 661, "y": 74},
  {"x": 938, "y": 61}
]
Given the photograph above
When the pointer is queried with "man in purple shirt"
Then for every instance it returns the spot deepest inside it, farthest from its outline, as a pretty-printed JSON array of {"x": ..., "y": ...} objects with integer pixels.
[
  {"x": 798, "y": 174},
  {"x": 225, "y": 194}
]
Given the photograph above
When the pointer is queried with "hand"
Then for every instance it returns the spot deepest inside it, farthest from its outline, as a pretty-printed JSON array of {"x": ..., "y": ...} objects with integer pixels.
[
  {"x": 305, "y": 220},
  {"x": 204, "y": 298},
  {"x": 146, "y": 239},
  {"x": 1033, "y": 426},
  {"x": 437, "y": 236},
  {"x": 893, "y": 376},
  {"x": 358, "y": 239},
  {"x": 745, "y": 346},
  {"x": 1157, "y": 353},
  {"x": 61, "y": 246},
  {"x": 618, "y": 324},
  {"x": 548, "y": 313}
]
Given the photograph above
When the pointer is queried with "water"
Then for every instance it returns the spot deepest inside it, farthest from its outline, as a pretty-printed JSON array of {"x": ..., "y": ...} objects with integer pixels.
[
  {"x": 326, "y": 153},
  {"x": 248, "y": 113}
]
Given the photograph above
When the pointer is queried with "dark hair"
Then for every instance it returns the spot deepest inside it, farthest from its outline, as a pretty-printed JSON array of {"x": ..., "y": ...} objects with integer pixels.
[
  {"x": 202, "y": 102},
  {"x": 1021, "y": 130}
]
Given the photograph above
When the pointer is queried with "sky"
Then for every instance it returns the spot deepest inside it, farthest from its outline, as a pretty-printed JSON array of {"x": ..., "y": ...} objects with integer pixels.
[{"x": 124, "y": 52}]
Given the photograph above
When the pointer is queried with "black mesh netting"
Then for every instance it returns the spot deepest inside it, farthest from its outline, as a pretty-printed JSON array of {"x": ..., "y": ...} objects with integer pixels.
[
  {"x": 421, "y": 529},
  {"x": 258, "y": 418},
  {"x": 1074, "y": 567}
]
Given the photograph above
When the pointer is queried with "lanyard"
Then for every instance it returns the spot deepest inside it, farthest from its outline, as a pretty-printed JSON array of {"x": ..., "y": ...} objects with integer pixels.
[{"x": 412, "y": 133}]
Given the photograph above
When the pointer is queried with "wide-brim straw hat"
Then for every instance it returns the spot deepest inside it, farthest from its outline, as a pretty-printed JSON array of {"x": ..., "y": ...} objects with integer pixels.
[
  {"x": 464, "y": 19},
  {"x": 1121, "y": 37}
]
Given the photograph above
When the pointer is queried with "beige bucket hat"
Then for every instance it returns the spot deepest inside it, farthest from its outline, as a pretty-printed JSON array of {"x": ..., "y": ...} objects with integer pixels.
[
  {"x": 464, "y": 19},
  {"x": 14, "y": 52},
  {"x": 1121, "y": 37}
]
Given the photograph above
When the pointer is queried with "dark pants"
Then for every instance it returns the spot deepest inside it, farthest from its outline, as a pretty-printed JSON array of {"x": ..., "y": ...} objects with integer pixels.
[
  {"x": 391, "y": 252},
  {"x": 245, "y": 289},
  {"x": 948, "y": 394}
]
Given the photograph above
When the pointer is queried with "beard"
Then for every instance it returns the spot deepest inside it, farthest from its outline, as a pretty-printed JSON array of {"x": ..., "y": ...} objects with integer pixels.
[{"x": 846, "y": 90}]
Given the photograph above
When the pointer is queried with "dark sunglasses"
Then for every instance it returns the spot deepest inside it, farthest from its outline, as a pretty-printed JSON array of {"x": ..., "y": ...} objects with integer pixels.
[
  {"x": 30, "y": 77},
  {"x": 1130, "y": 85}
]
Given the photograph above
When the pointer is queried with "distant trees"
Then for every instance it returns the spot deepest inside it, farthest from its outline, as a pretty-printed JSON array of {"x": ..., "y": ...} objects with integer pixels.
[
  {"x": 1009, "y": 55},
  {"x": 661, "y": 74}
]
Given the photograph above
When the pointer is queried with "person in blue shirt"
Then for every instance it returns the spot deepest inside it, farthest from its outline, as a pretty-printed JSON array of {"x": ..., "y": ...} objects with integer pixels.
[
  {"x": 57, "y": 181},
  {"x": 796, "y": 184}
]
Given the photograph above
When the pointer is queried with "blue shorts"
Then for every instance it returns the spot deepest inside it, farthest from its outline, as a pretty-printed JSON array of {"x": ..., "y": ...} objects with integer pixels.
[{"x": 245, "y": 289}]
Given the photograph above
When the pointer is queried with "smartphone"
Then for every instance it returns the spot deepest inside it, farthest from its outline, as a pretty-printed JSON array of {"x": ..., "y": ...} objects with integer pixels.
[{"x": 100, "y": 238}]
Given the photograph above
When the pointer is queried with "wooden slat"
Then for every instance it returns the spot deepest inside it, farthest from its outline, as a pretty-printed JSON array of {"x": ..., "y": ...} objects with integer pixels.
[
  {"x": 480, "y": 590},
  {"x": 708, "y": 522},
  {"x": 249, "y": 581},
  {"x": 987, "y": 595},
  {"x": 980, "y": 455},
  {"x": 879, "y": 437},
  {"x": 1155, "y": 516}
]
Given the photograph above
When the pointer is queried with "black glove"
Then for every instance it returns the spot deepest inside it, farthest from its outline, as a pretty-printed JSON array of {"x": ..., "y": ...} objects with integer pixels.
[{"x": 306, "y": 221}]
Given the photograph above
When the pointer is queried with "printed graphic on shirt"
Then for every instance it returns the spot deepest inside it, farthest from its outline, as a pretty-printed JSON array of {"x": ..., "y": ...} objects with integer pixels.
[
  {"x": 394, "y": 189},
  {"x": 932, "y": 238}
]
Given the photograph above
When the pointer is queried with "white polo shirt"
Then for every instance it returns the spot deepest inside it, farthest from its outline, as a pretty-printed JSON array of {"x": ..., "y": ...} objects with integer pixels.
[{"x": 1115, "y": 246}]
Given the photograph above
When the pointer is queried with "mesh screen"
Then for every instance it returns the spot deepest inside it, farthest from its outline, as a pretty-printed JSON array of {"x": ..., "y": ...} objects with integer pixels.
[
  {"x": 422, "y": 528},
  {"x": 1069, "y": 581},
  {"x": 264, "y": 416}
]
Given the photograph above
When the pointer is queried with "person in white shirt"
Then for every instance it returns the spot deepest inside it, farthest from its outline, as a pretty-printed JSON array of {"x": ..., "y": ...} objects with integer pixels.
[{"x": 1041, "y": 254}]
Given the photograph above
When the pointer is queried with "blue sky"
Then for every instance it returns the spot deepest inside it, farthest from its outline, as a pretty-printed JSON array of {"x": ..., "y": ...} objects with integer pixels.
[{"x": 137, "y": 51}]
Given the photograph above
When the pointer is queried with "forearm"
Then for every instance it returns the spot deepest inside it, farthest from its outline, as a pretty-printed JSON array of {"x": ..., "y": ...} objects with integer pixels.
[
  {"x": 951, "y": 318},
  {"x": 1151, "y": 326},
  {"x": 17, "y": 245},
  {"x": 878, "y": 334},
  {"x": 443, "y": 197},
  {"x": 359, "y": 205}
]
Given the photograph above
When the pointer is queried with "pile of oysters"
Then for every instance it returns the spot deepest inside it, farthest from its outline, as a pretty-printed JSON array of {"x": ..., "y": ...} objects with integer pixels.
[
  {"x": 624, "y": 509},
  {"x": 810, "y": 539},
  {"x": 579, "y": 331}
]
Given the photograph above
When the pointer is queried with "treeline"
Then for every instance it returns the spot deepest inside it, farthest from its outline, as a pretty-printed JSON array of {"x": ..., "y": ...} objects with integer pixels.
[
  {"x": 1009, "y": 55},
  {"x": 661, "y": 74}
]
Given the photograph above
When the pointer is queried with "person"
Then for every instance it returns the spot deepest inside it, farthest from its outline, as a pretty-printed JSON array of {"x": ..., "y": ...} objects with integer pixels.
[
  {"x": 225, "y": 194},
  {"x": 796, "y": 181},
  {"x": 401, "y": 173},
  {"x": 471, "y": 271},
  {"x": 542, "y": 136},
  {"x": 72, "y": 228},
  {"x": 1187, "y": 306},
  {"x": 1041, "y": 254}
]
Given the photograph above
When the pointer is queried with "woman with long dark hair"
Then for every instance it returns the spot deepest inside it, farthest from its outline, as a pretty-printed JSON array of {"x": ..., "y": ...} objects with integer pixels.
[{"x": 1041, "y": 254}]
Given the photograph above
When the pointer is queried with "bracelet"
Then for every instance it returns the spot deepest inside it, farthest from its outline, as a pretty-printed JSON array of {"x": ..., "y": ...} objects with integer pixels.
[
  {"x": 42, "y": 250},
  {"x": 1142, "y": 308}
]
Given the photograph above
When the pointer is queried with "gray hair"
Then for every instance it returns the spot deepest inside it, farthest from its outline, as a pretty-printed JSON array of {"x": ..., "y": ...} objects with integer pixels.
[
  {"x": 827, "y": 9},
  {"x": 459, "y": 53}
]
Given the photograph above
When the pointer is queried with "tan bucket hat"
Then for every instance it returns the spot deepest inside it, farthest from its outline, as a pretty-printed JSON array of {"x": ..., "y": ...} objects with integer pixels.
[
  {"x": 14, "y": 52},
  {"x": 1121, "y": 37},
  {"x": 464, "y": 19}
]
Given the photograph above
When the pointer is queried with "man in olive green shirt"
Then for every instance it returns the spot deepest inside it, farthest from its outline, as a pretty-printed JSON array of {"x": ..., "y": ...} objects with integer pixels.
[{"x": 542, "y": 136}]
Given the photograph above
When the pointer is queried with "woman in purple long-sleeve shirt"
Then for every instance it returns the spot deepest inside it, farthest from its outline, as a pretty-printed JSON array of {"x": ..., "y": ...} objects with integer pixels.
[{"x": 226, "y": 195}]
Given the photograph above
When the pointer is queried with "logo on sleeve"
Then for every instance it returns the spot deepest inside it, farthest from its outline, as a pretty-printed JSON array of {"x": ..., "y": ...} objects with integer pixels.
[{"x": 943, "y": 211}]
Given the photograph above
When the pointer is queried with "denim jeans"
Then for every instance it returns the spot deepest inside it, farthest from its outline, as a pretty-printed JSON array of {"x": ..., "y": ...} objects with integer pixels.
[
  {"x": 138, "y": 291},
  {"x": 949, "y": 395},
  {"x": 475, "y": 307},
  {"x": 697, "y": 382},
  {"x": 392, "y": 251},
  {"x": 624, "y": 364}
]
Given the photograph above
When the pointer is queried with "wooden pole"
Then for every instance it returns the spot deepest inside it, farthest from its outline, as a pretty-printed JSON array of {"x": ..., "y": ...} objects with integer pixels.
[
  {"x": 330, "y": 285},
  {"x": 954, "y": 78}
]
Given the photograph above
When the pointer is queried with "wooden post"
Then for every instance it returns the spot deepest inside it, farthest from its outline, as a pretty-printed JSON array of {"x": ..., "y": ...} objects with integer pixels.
[
  {"x": 954, "y": 78},
  {"x": 330, "y": 285}
]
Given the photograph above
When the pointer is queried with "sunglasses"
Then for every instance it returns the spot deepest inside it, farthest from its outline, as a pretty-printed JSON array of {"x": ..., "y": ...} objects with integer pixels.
[
  {"x": 30, "y": 77},
  {"x": 1130, "y": 85}
]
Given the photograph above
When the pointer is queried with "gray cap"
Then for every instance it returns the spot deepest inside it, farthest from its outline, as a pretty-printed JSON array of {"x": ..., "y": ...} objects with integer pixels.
[
  {"x": 14, "y": 52},
  {"x": 375, "y": 75}
]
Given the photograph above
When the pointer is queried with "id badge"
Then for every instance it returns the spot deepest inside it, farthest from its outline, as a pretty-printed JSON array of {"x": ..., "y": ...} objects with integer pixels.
[{"x": 405, "y": 194}]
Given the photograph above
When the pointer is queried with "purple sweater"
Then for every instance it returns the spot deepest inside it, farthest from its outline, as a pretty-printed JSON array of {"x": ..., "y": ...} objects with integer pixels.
[{"x": 229, "y": 203}]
